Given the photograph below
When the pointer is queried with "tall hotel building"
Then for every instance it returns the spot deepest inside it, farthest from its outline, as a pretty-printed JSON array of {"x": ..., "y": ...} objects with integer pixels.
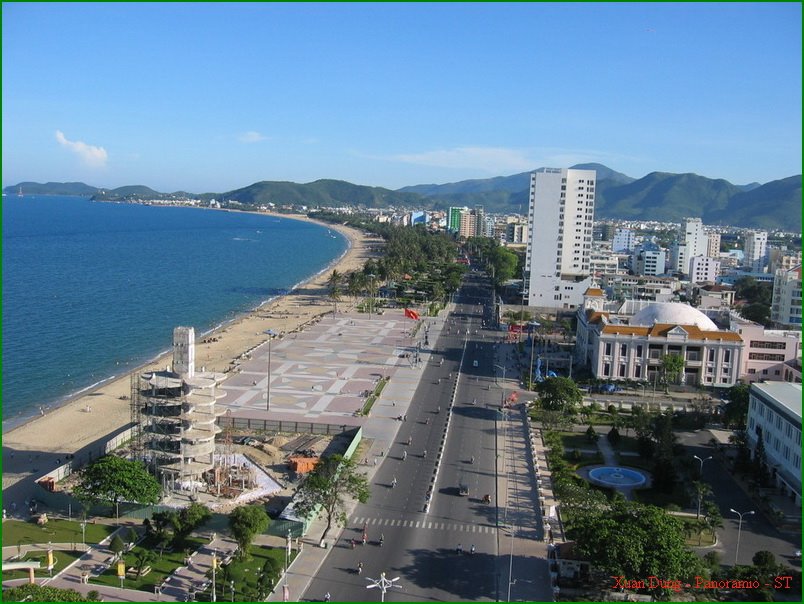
[{"x": 560, "y": 216}]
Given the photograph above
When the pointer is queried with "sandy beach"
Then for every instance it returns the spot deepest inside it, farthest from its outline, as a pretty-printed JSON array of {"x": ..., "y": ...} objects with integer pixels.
[{"x": 94, "y": 414}]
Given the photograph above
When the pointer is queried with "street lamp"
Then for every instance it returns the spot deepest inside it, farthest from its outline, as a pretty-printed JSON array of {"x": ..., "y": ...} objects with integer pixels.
[
  {"x": 84, "y": 532},
  {"x": 739, "y": 530},
  {"x": 231, "y": 588},
  {"x": 270, "y": 333},
  {"x": 383, "y": 584},
  {"x": 700, "y": 477}
]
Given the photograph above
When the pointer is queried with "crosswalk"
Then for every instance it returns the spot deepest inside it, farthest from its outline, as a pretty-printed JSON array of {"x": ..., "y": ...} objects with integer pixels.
[{"x": 424, "y": 524}]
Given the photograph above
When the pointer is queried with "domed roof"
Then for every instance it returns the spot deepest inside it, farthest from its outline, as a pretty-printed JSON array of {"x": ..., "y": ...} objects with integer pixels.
[{"x": 675, "y": 313}]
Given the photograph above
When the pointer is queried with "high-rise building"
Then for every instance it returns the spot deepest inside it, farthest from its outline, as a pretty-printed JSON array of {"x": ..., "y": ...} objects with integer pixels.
[
  {"x": 647, "y": 259},
  {"x": 703, "y": 268},
  {"x": 713, "y": 245},
  {"x": 786, "y": 305},
  {"x": 560, "y": 215},
  {"x": 756, "y": 250},
  {"x": 454, "y": 219},
  {"x": 692, "y": 241},
  {"x": 468, "y": 224},
  {"x": 517, "y": 233},
  {"x": 624, "y": 240}
]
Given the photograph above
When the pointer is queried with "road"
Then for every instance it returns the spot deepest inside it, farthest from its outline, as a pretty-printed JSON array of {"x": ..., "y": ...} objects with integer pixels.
[{"x": 420, "y": 544}]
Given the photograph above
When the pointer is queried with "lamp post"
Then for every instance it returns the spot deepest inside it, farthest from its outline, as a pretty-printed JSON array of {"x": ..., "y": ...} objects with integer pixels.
[
  {"x": 502, "y": 394},
  {"x": 270, "y": 333},
  {"x": 231, "y": 588},
  {"x": 383, "y": 584},
  {"x": 214, "y": 597},
  {"x": 371, "y": 293},
  {"x": 739, "y": 530},
  {"x": 700, "y": 477},
  {"x": 84, "y": 532}
]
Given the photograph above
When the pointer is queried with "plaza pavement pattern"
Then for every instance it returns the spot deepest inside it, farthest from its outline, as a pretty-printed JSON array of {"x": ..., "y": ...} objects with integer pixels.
[{"x": 321, "y": 374}]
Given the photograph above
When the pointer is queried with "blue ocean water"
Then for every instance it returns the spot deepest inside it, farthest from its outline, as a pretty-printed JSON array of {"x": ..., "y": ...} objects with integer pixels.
[{"x": 92, "y": 290}]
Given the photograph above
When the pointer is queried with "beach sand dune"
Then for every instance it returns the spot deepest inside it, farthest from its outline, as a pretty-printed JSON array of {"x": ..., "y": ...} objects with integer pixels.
[{"x": 92, "y": 416}]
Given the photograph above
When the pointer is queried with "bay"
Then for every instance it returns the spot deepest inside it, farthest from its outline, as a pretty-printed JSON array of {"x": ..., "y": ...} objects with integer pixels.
[{"x": 92, "y": 290}]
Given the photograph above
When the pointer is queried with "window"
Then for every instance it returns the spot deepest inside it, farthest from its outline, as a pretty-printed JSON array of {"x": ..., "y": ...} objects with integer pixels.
[
  {"x": 764, "y": 356},
  {"x": 606, "y": 369},
  {"x": 752, "y": 370},
  {"x": 712, "y": 355},
  {"x": 727, "y": 356},
  {"x": 622, "y": 370},
  {"x": 623, "y": 349},
  {"x": 639, "y": 351}
]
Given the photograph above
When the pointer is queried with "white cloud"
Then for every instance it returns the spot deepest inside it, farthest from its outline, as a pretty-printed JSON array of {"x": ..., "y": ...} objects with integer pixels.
[
  {"x": 489, "y": 159},
  {"x": 251, "y": 137},
  {"x": 94, "y": 157}
]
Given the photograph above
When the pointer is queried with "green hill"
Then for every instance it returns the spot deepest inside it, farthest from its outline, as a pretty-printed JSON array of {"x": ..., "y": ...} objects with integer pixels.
[
  {"x": 322, "y": 193},
  {"x": 52, "y": 188}
]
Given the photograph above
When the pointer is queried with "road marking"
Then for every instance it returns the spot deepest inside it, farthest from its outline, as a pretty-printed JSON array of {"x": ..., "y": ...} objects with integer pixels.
[
  {"x": 393, "y": 522},
  {"x": 429, "y": 525},
  {"x": 417, "y": 524}
]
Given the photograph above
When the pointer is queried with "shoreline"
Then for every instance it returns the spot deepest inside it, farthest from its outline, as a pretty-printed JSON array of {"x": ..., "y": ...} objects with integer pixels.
[
  {"x": 23, "y": 417},
  {"x": 65, "y": 429}
]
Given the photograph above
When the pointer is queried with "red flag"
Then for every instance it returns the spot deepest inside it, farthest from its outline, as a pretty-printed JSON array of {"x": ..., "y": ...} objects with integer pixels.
[{"x": 411, "y": 314}]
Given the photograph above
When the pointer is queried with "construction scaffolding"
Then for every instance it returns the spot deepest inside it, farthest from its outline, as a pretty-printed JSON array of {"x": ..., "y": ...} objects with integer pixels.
[{"x": 175, "y": 418}]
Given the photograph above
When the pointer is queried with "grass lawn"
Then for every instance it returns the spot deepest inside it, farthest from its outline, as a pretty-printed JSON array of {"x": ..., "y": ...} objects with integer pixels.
[
  {"x": 55, "y": 531},
  {"x": 576, "y": 440},
  {"x": 246, "y": 575},
  {"x": 696, "y": 538},
  {"x": 61, "y": 559},
  {"x": 160, "y": 568},
  {"x": 627, "y": 443},
  {"x": 636, "y": 462},
  {"x": 653, "y": 497}
]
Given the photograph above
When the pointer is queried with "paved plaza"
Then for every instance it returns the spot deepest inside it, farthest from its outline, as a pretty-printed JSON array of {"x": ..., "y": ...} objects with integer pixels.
[{"x": 324, "y": 373}]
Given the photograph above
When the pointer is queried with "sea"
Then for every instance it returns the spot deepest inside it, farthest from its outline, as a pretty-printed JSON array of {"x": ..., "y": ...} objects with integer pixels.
[{"x": 92, "y": 290}]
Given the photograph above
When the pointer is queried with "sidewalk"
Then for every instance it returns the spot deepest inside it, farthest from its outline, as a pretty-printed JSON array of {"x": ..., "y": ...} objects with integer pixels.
[{"x": 522, "y": 548}]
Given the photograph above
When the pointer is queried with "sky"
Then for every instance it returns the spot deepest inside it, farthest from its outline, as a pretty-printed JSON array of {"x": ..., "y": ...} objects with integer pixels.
[{"x": 212, "y": 97}]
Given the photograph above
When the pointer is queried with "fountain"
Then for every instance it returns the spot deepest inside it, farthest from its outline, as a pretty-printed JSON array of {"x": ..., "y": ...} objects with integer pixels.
[{"x": 618, "y": 478}]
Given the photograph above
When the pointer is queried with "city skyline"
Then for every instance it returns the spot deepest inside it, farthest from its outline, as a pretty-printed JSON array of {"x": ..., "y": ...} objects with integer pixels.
[{"x": 216, "y": 97}]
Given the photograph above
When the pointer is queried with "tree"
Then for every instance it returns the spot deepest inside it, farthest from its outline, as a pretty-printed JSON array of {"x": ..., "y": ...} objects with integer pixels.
[
  {"x": 246, "y": 522},
  {"x": 735, "y": 414},
  {"x": 701, "y": 489},
  {"x": 334, "y": 283},
  {"x": 559, "y": 394},
  {"x": 117, "y": 545},
  {"x": 42, "y": 593},
  {"x": 634, "y": 540},
  {"x": 765, "y": 561},
  {"x": 113, "y": 479},
  {"x": 591, "y": 435},
  {"x": 327, "y": 487},
  {"x": 144, "y": 557},
  {"x": 614, "y": 436},
  {"x": 187, "y": 520},
  {"x": 758, "y": 313},
  {"x": 672, "y": 366}
]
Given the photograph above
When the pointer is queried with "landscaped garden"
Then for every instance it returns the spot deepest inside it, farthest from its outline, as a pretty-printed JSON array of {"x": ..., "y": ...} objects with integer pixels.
[
  {"x": 18, "y": 532},
  {"x": 61, "y": 560},
  {"x": 253, "y": 577},
  {"x": 148, "y": 553}
]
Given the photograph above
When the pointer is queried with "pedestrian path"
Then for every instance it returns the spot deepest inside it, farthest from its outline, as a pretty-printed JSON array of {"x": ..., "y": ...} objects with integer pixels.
[{"x": 425, "y": 524}]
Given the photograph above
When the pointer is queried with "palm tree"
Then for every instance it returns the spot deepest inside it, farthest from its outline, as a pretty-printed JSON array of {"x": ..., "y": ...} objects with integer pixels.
[
  {"x": 334, "y": 284},
  {"x": 355, "y": 283}
]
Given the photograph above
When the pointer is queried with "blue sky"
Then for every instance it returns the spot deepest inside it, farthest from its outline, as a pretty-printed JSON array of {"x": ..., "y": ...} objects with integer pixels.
[{"x": 212, "y": 97}]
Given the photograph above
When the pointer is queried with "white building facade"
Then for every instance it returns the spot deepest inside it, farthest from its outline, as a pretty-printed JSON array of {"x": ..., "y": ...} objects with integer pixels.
[
  {"x": 624, "y": 240},
  {"x": 786, "y": 302},
  {"x": 756, "y": 250},
  {"x": 560, "y": 216},
  {"x": 774, "y": 412},
  {"x": 703, "y": 268}
]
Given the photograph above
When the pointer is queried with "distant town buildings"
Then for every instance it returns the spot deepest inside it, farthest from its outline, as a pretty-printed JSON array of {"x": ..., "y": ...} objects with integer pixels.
[{"x": 560, "y": 218}]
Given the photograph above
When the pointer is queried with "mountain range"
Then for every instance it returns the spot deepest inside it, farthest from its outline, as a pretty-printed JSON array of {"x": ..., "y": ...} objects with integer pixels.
[{"x": 658, "y": 196}]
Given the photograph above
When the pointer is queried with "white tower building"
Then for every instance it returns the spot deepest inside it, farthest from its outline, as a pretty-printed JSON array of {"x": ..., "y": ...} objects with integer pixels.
[
  {"x": 756, "y": 250},
  {"x": 560, "y": 215},
  {"x": 692, "y": 241}
]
